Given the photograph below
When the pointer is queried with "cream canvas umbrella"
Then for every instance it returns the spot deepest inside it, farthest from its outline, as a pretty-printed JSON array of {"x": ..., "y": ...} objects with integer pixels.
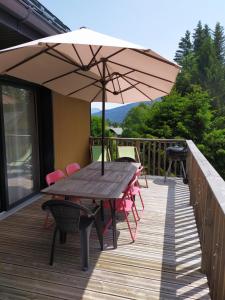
[{"x": 91, "y": 66}]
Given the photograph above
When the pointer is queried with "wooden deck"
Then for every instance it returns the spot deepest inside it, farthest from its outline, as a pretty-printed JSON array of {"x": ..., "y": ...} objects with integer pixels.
[{"x": 163, "y": 263}]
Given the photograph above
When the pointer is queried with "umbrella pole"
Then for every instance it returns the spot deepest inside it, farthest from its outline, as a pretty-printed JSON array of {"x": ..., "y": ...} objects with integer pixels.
[{"x": 103, "y": 114}]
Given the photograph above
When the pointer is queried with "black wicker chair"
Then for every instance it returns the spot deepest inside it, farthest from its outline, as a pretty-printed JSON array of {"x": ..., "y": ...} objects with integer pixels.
[
  {"x": 68, "y": 219},
  {"x": 125, "y": 159}
]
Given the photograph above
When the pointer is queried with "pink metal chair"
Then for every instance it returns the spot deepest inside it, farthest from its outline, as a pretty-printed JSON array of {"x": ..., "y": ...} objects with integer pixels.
[
  {"x": 135, "y": 188},
  {"x": 72, "y": 168},
  {"x": 54, "y": 176},
  {"x": 51, "y": 178},
  {"x": 125, "y": 205}
]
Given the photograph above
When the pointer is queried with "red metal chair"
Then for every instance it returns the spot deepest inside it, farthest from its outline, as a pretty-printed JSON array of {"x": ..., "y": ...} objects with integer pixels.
[
  {"x": 125, "y": 205},
  {"x": 72, "y": 168},
  {"x": 51, "y": 178}
]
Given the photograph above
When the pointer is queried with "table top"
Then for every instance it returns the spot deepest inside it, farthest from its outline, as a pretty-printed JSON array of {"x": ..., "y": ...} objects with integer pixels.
[{"x": 89, "y": 183}]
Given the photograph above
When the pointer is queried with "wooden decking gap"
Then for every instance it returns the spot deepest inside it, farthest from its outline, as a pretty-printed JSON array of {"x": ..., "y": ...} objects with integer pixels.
[{"x": 163, "y": 263}]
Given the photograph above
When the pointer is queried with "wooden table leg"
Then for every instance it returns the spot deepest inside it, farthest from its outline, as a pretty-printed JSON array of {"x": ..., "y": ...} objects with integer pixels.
[{"x": 113, "y": 212}]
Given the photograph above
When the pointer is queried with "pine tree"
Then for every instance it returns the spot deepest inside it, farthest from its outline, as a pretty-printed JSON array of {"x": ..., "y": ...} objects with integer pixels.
[
  {"x": 198, "y": 37},
  {"x": 206, "y": 63},
  {"x": 219, "y": 43},
  {"x": 185, "y": 48},
  {"x": 206, "y": 32}
]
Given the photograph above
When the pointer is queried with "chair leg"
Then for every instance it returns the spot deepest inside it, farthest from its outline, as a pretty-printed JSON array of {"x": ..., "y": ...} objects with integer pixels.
[
  {"x": 102, "y": 211},
  {"x": 62, "y": 237},
  {"x": 128, "y": 223},
  {"x": 135, "y": 208},
  {"x": 46, "y": 220},
  {"x": 106, "y": 226},
  {"x": 142, "y": 202},
  {"x": 84, "y": 241},
  {"x": 146, "y": 182},
  {"x": 48, "y": 223},
  {"x": 99, "y": 233},
  {"x": 53, "y": 247}
]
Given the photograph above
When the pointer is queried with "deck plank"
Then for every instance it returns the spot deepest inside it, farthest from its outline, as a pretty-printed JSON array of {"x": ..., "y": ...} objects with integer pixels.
[{"x": 163, "y": 263}]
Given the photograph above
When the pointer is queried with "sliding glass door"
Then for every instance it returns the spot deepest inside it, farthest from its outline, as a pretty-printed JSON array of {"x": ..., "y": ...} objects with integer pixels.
[{"x": 20, "y": 142}]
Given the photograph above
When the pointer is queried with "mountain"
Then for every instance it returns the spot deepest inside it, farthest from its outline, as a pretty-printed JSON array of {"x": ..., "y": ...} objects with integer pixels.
[
  {"x": 95, "y": 110},
  {"x": 118, "y": 114}
]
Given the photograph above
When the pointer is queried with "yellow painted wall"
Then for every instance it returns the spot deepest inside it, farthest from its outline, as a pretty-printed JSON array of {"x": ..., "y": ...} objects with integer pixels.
[{"x": 71, "y": 119}]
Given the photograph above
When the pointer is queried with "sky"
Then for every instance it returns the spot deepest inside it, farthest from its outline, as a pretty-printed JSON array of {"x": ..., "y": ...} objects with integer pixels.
[{"x": 156, "y": 25}]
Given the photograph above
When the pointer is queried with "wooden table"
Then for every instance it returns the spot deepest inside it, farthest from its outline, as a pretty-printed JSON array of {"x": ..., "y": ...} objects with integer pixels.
[{"x": 89, "y": 183}]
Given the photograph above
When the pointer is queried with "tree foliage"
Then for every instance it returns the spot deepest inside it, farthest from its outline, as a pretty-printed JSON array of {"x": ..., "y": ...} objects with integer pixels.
[
  {"x": 174, "y": 117},
  {"x": 196, "y": 107},
  {"x": 185, "y": 48},
  {"x": 96, "y": 127}
]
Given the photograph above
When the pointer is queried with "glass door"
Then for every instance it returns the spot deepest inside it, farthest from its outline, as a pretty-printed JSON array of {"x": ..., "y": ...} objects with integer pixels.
[{"x": 20, "y": 142}]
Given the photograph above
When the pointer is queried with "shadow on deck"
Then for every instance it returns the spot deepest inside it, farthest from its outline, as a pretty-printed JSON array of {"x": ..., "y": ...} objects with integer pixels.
[{"x": 163, "y": 263}]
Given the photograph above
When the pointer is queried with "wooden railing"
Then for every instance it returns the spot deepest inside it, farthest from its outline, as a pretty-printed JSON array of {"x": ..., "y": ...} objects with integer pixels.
[
  {"x": 207, "y": 196},
  {"x": 152, "y": 152}
]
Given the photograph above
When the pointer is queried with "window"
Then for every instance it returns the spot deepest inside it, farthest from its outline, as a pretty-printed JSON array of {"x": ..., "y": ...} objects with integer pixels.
[{"x": 20, "y": 142}]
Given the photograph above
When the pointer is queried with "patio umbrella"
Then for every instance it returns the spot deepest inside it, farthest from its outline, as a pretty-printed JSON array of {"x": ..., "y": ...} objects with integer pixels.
[{"x": 91, "y": 66}]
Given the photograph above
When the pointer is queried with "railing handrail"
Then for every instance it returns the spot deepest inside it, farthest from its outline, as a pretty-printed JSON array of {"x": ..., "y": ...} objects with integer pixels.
[
  {"x": 140, "y": 139},
  {"x": 214, "y": 180},
  {"x": 151, "y": 152}
]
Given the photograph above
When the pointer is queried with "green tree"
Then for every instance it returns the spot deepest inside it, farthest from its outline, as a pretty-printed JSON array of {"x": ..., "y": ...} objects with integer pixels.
[
  {"x": 182, "y": 116},
  {"x": 198, "y": 37},
  {"x": 219, "y": 42},
  {"x": 185, "y": 48},
  {"x": 213, "y": 148},
  {"x": 175, "y": 116},
  {"x": 185, "y": 78},
  {"x": 96, "y": 127},
  {"x": 134, "y": 124}
]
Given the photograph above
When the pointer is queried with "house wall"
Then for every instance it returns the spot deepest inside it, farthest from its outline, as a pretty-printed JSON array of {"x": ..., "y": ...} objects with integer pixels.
[{"x": 71, "y": 127}]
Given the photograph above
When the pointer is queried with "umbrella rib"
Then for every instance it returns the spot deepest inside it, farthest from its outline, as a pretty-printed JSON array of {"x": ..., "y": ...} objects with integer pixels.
[
  {"x": 115, "y": 53},
  {"x": 152, "y": 87},
  {"x": 134, "y": 86},
  {"x": 157, "y": 58},
  {"x": 118, "y": 75},
  {"x": 60, "y": 58},
  {"x": 106, "y": 58},
  {"x": 120, "y": 90},
  {"x": 109, "y": 76},
  {"x": 84, "y": 75},
  {"x": 67, "y": 58},
  {"x": 96, "y": 95},
  {"x": 60, "y": 76},
  {"x": 84, "y": 87},
  {"x": 77, "y": 53},
  {"x": 29, "y": 58},
  {"x": 142, "y": 72},
  {"x": 94, "y": 55},
  {"x": 68, "y": 73},
  {"x": 94, "y": 58}
]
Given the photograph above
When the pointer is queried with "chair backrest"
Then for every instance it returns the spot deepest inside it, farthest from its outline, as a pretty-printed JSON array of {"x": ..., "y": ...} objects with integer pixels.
[
  {"x": 138, "y": 172},
  {"x": 96, "y": 153},
  {"x": 132, "y": 184},
  {"x": 125, "y": 159},
  {"x": 72, "y": 168},
  {"x": 128, "y": 151},
  {"x": 52, "y": 177},
  {"x": 66, "y": 214}
]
